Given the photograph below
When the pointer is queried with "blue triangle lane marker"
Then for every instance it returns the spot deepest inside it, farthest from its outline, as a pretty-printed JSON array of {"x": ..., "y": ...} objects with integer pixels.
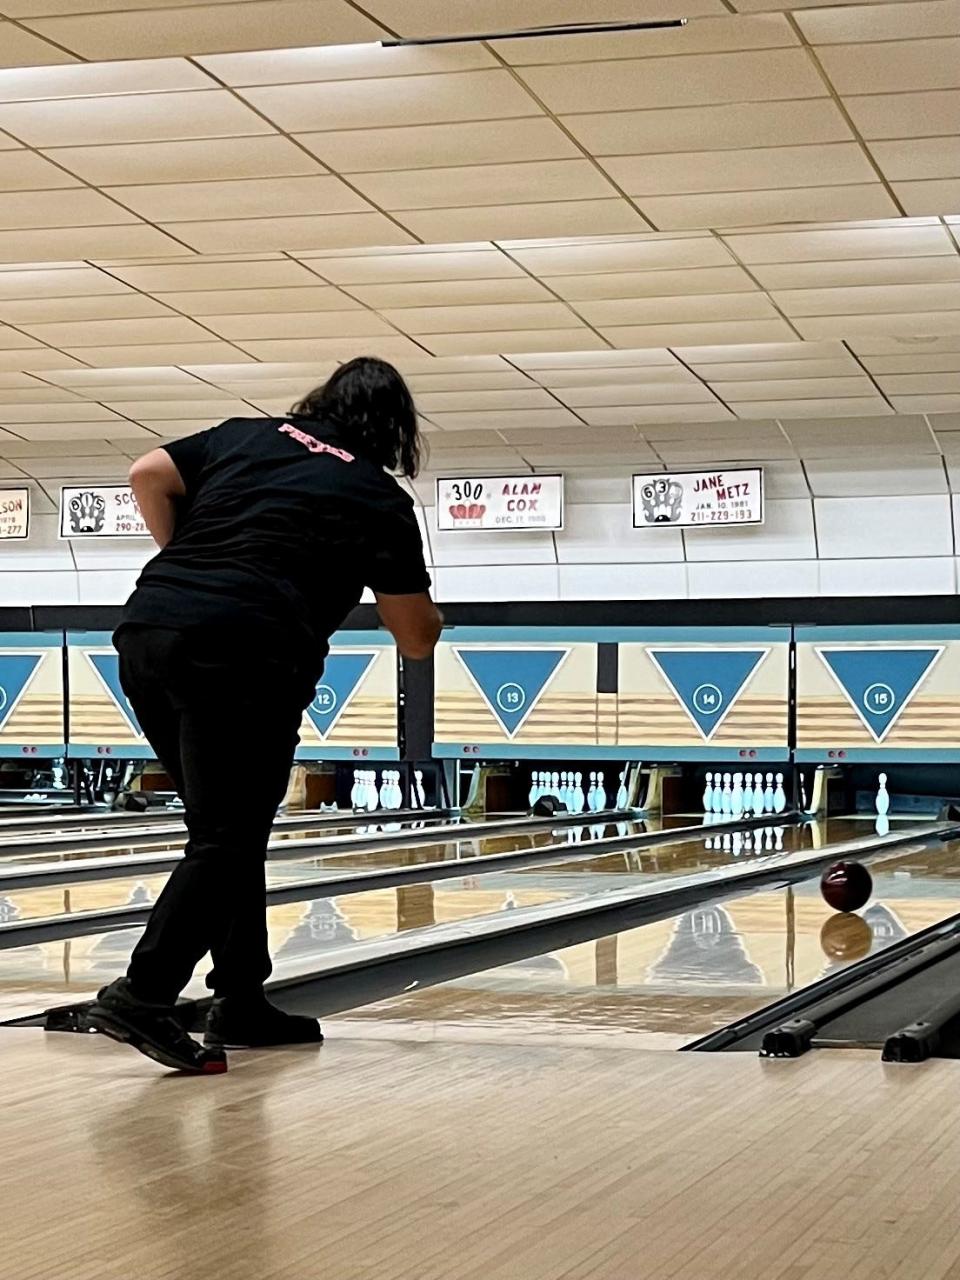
[
  {"x": 343, "y": 673},
  {"x": 16, "y": 672},
  {"x": 879, "y": 682},
  {"x": 511, "y": 681},
  {"x": 107, "y": 667},
  {"x": 707, "y": 682}
]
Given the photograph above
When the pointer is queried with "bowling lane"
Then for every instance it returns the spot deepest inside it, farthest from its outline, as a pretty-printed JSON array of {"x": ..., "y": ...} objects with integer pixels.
[
  {"x": 667, "y": 983},
  {"x": 305, "y": 932},
  {"x": 127, "y": 889},
  {"x": 32, "y": 850}
]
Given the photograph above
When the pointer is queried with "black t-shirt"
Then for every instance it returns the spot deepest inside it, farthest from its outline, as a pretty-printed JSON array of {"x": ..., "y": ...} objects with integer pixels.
[{"x": 282, "y": 527}]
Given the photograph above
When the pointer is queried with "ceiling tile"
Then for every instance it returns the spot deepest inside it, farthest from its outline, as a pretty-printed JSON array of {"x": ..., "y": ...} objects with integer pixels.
[
  {"x": 793, "y": 389},
  {"x": 512, "y": 342},
  {"x": 494, "y": 222},
  {"x": 394, "y": 100},
  {"x": 440, "y": 145},
  {"x": 100, "y": 333},
  {"x": 664, "y": 82},
  {"x": 250, "y": 301},
  {"x": 758, "y": 168},
  {"x": 926, "y": 403},
  {"x": 395, "y": 268},
  {"x": 162, "y": 355},
  {"x": 906, "y": 115},
  {"x": 637, "y": 394},
  {"x": 769, "y": 351},
  {"x": 726, "y": 306},
  {"x": 897, "y": 66},
  {"x": 343, "y": 62},
  {"x": 441, "y": 293},
  {"x": 870, "y": 22},
  {"x": 908, "y": 323},
  {"x": 299, "y": 324},
  {"x": 919, "y": 384},
  {"x": 701, "y": 128},
  {"x": 642, "y": 254},
  {"x": 915, "y": 158},
  {"x": 77, "y": 243},
  {"x": 340, "y": 230},
  {"x": 82, "y": 80},
  {"x": 20, "y": 48},
  {"x": 510, "y": 316},
  {"x": 757, "y": 208},
  {"x": 319, "y": 349},
  {"x": 193, "y": 29},
  {"x": 494, "y": 184},
  {"x": 932, "y": 363},
  {"x": 919, "y": 198},
  {"x": 763, "y": 371},
  {"x": 556, "y": 416},
  {"x": 708, "y": 35},
  {"x": 187, "y": 161},
  {"x": 240, "y": 198},
  {"x": 844, "y": 407},
  {"x": 100, "y": 307},
  {"x": 869, "y": 300},
  {"x": 876, "y": 271},
  {"x": 205, "y": 276},
  {"x": 599, "y": 361},
  {"x": 413, "y": 18},
  {"x": 143, "y": 117},
  {"x": 821, "y": 246},
  {"x": 528, "y": 397},
  {"x": 652, "y": 284},
  {"x": 26, "y": 171},
  {"x": 670, "y": 335},
  {"x": 912, "y": 344},
  {"x": 81, "y": 208}
]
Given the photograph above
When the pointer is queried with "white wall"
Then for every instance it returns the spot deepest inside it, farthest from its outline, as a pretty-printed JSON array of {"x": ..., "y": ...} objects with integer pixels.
[{"x": 855, "y": 525}]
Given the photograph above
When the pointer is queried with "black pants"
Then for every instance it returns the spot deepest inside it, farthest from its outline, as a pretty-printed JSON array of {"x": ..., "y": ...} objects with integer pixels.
[{"x": 214, "y": 718}]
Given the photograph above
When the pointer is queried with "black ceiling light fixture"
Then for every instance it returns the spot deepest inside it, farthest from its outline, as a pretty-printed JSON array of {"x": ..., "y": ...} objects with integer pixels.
[{"x": 538, "y": 33}]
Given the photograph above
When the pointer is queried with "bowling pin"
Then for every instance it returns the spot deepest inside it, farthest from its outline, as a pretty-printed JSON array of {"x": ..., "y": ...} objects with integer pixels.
[
  {"x": 882, "y": 825},
  {"x": 883, "y": 797},
  {"x": 373, "y": 796},
  {"x": 725, "y": 800},
  {"x": 707, "y": 793},
  {"x": 555, "y": 785},
  {"x": 532, "y": 793},
  {"x": 386, "y": 798},
  {"x": 601, "y": 797},
  {"x": 779, "y": 796},
  {"x": 736, "y": 795},
  {"x": 418, "y": 784},
  {"x": 758, "y": 794},
  {"x": 563, "y": 788},
  {"x": 748, "y": 794},
  {"x": 622, "y": 797},
  {"x": 355, "y": 791},
  {"x": 768, "y": 795},
  {"x": 578, "y": 798}
]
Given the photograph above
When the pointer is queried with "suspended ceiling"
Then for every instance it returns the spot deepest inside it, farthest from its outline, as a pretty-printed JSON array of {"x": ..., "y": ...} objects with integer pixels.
[{"x": 726, "y": 236}]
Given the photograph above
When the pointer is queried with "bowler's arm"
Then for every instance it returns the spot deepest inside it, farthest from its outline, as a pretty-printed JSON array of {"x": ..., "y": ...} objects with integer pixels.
[{"x": 157, "y": 485}]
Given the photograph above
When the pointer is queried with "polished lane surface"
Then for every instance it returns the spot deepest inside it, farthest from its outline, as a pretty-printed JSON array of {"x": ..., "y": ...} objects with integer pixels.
[
  {"x": 669, "y": 982},
  {"x": 304, "y": 933}
]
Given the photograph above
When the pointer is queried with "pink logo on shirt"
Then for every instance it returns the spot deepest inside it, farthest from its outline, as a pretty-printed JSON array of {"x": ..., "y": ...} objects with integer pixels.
[{"x": 315, "y": 446}]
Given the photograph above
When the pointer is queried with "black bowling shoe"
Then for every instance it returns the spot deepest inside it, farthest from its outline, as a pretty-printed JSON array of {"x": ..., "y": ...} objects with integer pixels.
[{"x": 235, "y": 1023}]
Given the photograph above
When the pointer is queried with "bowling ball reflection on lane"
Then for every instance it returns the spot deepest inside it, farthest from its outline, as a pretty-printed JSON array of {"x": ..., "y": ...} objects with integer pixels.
[
  {"x": 845, "y": 937},
  {"x": 846, "y": 886}
]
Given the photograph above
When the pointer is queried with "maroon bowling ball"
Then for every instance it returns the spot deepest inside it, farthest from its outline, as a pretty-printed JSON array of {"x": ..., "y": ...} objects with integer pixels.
[{"x": 846, "y": 886}]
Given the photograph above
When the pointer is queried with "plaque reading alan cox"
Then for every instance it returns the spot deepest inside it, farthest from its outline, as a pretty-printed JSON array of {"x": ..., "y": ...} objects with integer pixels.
[
  {"x": 698, "y": 498},
  {"x": 500, "y": 502},
  {"x": 100, "y": 511}
]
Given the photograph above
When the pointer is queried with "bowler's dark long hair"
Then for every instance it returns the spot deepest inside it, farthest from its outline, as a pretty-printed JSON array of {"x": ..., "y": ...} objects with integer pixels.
[{"x": 373, "y": 404}]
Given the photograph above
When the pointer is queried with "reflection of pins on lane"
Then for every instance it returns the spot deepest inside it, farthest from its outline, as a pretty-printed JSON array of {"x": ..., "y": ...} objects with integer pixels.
[
  {"x": 737, "y": 843},
  {"x": 726, "y": 842},
  {"x": 748, "y": 842},
  {"x": 778, "y": 839},
  {"x": 769, "y": 841}
]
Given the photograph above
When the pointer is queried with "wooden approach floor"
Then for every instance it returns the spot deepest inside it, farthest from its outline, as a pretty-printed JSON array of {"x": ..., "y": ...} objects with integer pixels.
[{"x": 375, "y": 1159}]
